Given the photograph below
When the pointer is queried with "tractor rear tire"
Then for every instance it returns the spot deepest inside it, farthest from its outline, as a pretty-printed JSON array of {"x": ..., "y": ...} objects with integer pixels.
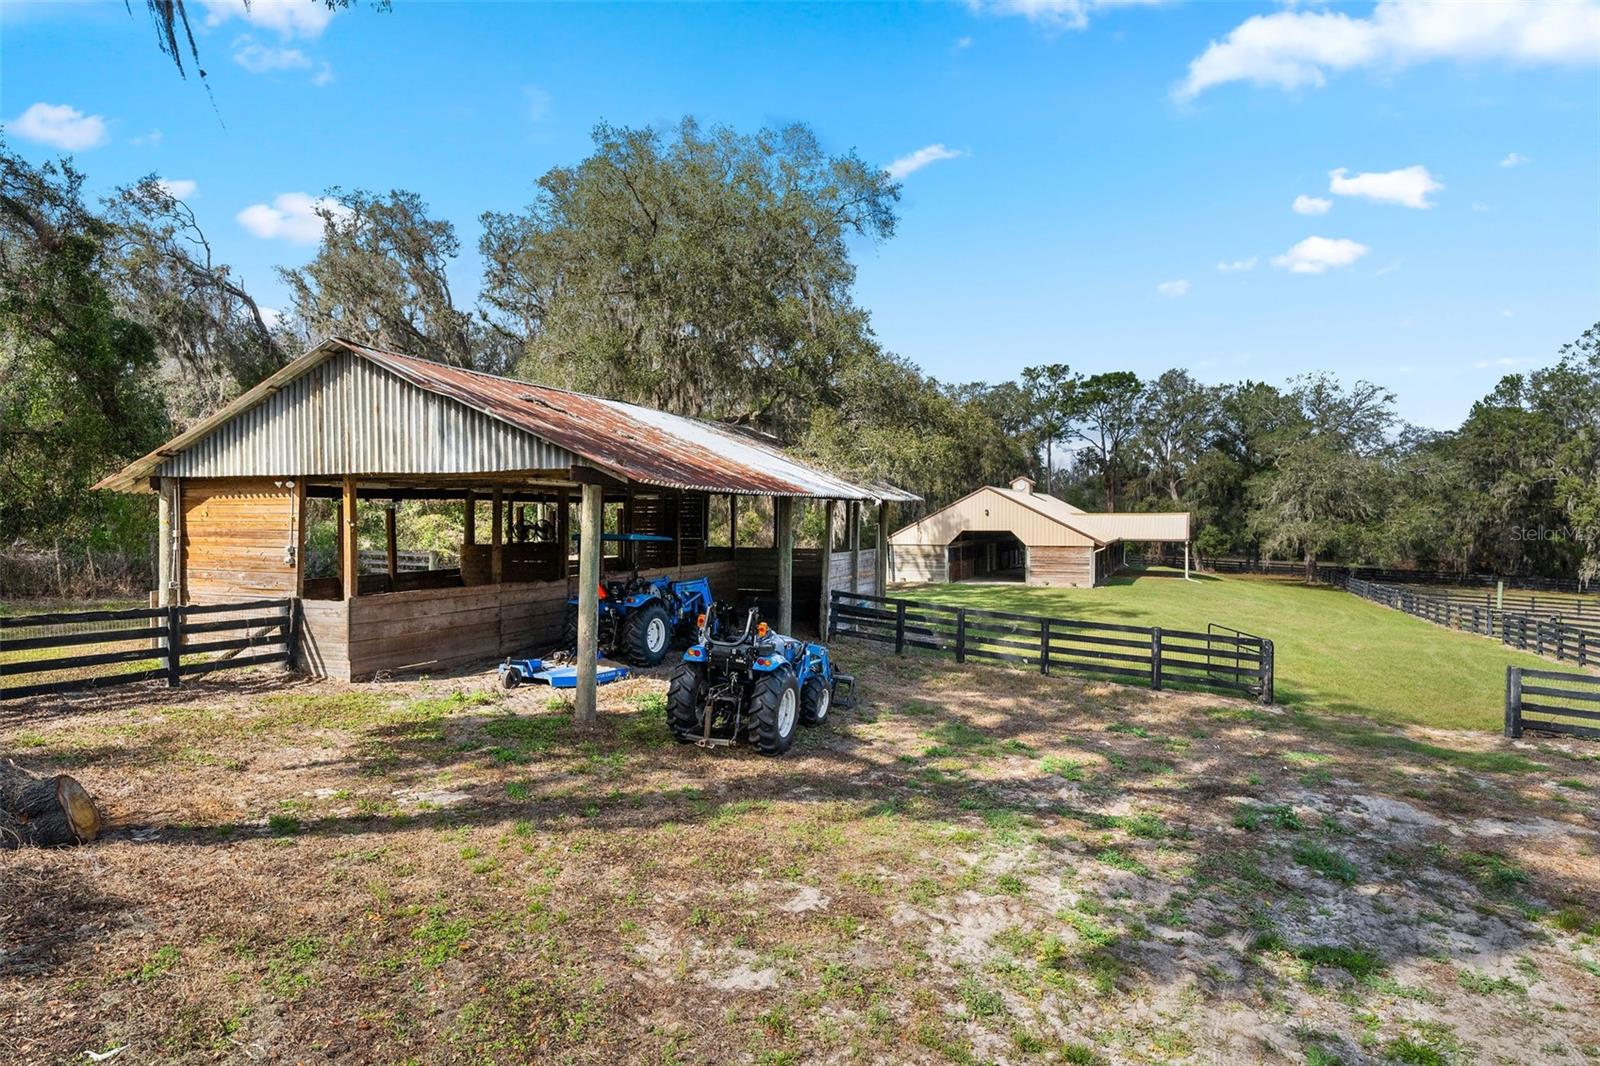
[
  {"x": 686, "y": 703},
  {"x": 647, "y": 634},
  {"x": 816, "y": 700},
  {"x": 775, "y": 711},
  {"x": 569, "y": 629}
]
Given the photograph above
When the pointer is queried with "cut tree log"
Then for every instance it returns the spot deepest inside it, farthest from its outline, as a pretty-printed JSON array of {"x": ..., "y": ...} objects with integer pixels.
[{"x": 44, "y": 811}]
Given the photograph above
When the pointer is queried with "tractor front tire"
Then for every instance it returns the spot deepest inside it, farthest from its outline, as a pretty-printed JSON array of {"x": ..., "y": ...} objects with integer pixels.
[
  {"x": 647, "y": 635},
  {"x": 686, "y": 703},
  {"x": 816, "y": 700},
  {"x": 569, "y": 628},
  {"x": 775, "y": 711}
]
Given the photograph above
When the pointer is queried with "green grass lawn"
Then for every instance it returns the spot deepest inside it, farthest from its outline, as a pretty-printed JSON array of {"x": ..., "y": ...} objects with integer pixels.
[{"x": 1334, "y": 651}]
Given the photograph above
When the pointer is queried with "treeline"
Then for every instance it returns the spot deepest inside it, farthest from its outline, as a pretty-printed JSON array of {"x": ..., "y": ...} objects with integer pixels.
[{"x": 708, "y": 272}]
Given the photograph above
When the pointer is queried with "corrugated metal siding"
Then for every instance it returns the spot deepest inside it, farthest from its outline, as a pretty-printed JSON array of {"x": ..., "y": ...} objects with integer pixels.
[
  {"x": 347, "y": 415},
  {"x": 1138, "y": 525},
  {"x": 1003, "y": 515}
]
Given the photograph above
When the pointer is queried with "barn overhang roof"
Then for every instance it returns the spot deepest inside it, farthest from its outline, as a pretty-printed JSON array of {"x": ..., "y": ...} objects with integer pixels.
[{"x": 627, "y": 441}]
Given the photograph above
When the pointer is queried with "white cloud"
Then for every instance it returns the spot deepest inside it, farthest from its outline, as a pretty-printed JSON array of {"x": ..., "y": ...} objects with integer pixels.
[
  {"x": 324, "y": 76},
  {"x": 538, "y": 101},
  {"x": 179, "y": 188},
  {"x": 910, "y": 164},
  {"x": 264, "y": 59},
  {"x": 1311, "y": 205},
  {"x": 271, "y": 316},
  {"x": 1409, "y": 186},
  {"x": 290, "y": 18},
  {"x": 1053, "y": 14},
  {"x": 152, "y": 139},
  {"x": 1515, "y": 159},
  {"x": 1316, "y": 255},
  {"x": 963, "y": 43},
  {"x": 1234, "y": 266},
  {"x": 1173, "y": 289},
  {"x": 1479, "y": 206},
  {"x": 60, "y": 126},
  {"x": 1505, "y": 362},
  {"x": 292, "y": 216},
  {"x": 1296, "y": 48}
]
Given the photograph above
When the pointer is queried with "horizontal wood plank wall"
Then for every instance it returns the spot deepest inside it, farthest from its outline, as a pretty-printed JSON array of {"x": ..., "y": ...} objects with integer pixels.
[
  {"x": 918, "y": 563},
  {"x": 325, "y": 638},
  {"x": 432, "y": 628},
  {"x": 1069, "y": 567},
  {"x": 839, "y": 570},
  {"x": 235, "y": 536}
]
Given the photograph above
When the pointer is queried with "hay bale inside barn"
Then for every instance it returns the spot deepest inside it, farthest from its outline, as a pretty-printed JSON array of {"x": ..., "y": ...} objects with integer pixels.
[
  {"x": 1019, "y": 534},
  {"x": 347, "y": 430}
]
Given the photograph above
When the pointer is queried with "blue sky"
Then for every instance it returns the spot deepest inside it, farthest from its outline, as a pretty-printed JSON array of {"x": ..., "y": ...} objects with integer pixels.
[{"x": 1089, "y": 168}]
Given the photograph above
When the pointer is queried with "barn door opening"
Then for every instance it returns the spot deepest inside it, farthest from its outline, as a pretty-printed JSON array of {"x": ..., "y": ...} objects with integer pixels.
[{"x": 979, "y": 555}]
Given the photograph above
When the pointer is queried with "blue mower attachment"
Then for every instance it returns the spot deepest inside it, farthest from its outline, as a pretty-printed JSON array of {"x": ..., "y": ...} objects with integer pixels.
[
  {"x": 754, "y": 686},
  {"x": 514, "y": 672}
]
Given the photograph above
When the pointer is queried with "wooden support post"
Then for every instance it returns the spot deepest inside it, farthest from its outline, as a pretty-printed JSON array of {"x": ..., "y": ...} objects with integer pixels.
[
  {"x": 350, "y": 571},
  {"x": 174, "y": 643},
  {"x": 1513, "y": 701},
  {"x": 1155, "y": 657},
  {"x": 1044, "y": 646},
  {"x": 591, "y": 521},
  {"x": 497, "y": 535},
  {"x": 1186, "y": 560},
  {"x": 783, "y": 535},
  {"x": 880, "y": 573},
  {"x": 900, "y": 628},
  {"x": 852, "y": 515},
  {"x": 961, "y": 634},
  {"x": 829, "y": 509},
  {"x": 733, "y": 523},
  {"x": 163, "y": 544},
  {"x": 300, "y": 537},
  {"x": 564, "y": 536},
  {"x": 391, "y": 551},
  {"x": 469, "y": 521}
]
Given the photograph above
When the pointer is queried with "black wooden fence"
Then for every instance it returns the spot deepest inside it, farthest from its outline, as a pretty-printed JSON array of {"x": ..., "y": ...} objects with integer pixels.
[
  {"x": 143, "y": 644},
  {"x": 1554, "y": 696},
  {"x": 1540, "y": 634},
  {"x": 1337, "y": 572},
  {"x": 1220, "y": 659}
]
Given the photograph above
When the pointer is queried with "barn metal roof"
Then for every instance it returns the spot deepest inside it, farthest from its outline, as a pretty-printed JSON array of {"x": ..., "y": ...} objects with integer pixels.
[{"x": 631, "y": 442}]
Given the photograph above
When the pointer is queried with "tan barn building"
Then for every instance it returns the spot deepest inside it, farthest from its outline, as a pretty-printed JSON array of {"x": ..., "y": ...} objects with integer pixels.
[{"x": 1018, "y": 534}]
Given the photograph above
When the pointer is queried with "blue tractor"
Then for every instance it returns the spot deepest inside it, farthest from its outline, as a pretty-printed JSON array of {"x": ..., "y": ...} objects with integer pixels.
[
  {"x": 640, "y": 618},
  {"x": 750, "y": 684}
]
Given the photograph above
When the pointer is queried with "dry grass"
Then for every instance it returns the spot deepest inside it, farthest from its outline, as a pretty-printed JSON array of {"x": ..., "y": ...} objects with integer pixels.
[{"x": 972, "y": 865}]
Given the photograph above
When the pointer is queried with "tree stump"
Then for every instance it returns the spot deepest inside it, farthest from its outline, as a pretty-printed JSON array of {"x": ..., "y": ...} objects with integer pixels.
[{"x": 44, "y": 811}]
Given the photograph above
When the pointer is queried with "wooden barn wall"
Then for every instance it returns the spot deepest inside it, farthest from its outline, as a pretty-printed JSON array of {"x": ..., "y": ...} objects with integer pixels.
[
  {"x": 348, "y": 416},
  {"x": 432, "y": 628},
  {"x": 918, "y": 563},
  {"x": 1069, "y": 567},
  {"x": 235, "y": 540}
]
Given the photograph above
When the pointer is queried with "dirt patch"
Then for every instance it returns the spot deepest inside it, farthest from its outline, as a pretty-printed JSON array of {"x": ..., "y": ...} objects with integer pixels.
[{"x": 972, "y": 864}]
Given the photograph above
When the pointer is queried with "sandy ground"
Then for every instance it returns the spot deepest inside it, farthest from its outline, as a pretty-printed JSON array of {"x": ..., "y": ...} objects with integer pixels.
[{"x": 972, "y": 864}]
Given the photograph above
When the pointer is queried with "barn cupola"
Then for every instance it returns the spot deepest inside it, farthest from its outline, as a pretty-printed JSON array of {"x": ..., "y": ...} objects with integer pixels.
[{"x": 1022, "y": 484}]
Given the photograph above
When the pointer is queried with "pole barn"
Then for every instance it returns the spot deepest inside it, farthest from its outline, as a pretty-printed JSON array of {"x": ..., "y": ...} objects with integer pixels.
[{"x": 346, "y": 432}]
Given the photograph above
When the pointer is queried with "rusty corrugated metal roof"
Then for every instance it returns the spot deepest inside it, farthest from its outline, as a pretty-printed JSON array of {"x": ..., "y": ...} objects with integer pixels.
[{"x": 629, "y": 441}]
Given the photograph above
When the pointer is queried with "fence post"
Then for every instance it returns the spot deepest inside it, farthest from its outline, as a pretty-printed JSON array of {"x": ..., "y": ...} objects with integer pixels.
[
  {"x": 295, "y": 622},
  {"x": 833, "y": 614},
  {"x": 900, "y": 628},
  {"x": 1266, "y": 680},
  {"x": 961, "y": 634},
  {"x": 1513, "y": 701},
  {"x": 1044, "y": 646},
  {"x": 174, "y": 643},
  {"x": 1155, "y": 657}
]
